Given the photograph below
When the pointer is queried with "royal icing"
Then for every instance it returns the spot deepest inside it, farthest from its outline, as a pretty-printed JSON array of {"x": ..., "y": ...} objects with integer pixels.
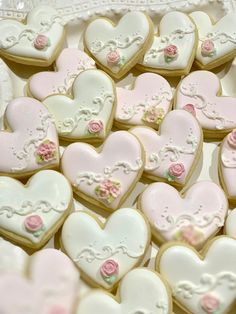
[
  {"x": 106, "y": 176},
  {"x": 114, "y": 47},
  {"x": 173, "y": 47},
  {"x": 105, "y": 254},
  {"x": 69, "y": 64},
  {"x": 32, "y": 211},
  {"x": 171, "y": 153},
  {"x": 230, "y": 223},
  {"x": 215, "y": 40},
  {"x": 215, "y": 113},
  {"x": 228, "y": 164},
  {"x": 191, "y": 217},
  {"x": 141, "y": 292},
  {"x": 205, "y": 285},
  {"x": 146, "y": 104},
  {"x": 37, "y": 39},
  {"x": 6, "y": 91},
  {"x": 32, "y": 143},
  {"x": 88, "y": 114}
]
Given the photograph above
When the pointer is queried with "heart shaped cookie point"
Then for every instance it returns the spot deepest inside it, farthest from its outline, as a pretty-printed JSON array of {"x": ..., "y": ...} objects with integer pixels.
[
  {"x": 37, "y": 41},
  {"x": 89, "y": 114},
  {"x": 118, "y": 48},
  {"x": 191, "y": 217}
]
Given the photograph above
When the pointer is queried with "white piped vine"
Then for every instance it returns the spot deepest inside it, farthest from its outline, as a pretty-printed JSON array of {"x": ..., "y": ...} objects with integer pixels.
[
  {"x": 208, "y": 282},
  {"x": 207, "y": 108},
  {"x": 84, "y": 113},
  {"x": 222, "y": 38},
  {"x": 172, "y": 152},
  {"x": 91, "y": 177},
  {"x": 160, "y": 305}
]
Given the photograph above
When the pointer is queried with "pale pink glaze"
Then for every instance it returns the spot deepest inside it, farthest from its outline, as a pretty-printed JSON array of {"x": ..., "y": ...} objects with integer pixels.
[
  {"x": 146, "y": 86},
  {"x": 24, "y": 116},
  {"x": 119, "y": 147},
  {"x": 207, "y": 85},
  {"x": 70, "y": 60},
  {"x": 177, "y": 127},
  {"x": 160, "y": 200}
]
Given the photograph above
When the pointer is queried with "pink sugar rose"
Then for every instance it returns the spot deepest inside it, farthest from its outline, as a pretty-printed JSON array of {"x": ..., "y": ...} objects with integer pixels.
[
  {"x": 232, "y": 139},
  {"x": 109, "y": 268},
  {"x": 207, "y": 48},
  {"x": 46, "y": 151},
  {"x": 41, "y": 42},
  {"x": 170, "y": 53},
  {"x": 113, "y": 57},
  {"x": 190, "y": 108},
  {"x": 103, "y": 192},
  {"x": 176, "y": 170},
  {"x": 108, "y": 190},
  {"x": 115, "y": 191},
  {"x": 95, "y": 126},
  {"x": 33, "y": 223},
  {"x": 210, "y": 303}
]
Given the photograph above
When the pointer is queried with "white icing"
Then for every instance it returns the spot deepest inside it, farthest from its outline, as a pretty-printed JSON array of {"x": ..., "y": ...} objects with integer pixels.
[
  {"x": 123, "y": 239},
  {"x": 141, "y": 292},
  {"x": 48, "y": 194},
  {"x": 191, "y": 278},
  {"x": 230, "y": 224},
  {"x": 175, "y": 28},
  {"x": 72, "y": 115}
]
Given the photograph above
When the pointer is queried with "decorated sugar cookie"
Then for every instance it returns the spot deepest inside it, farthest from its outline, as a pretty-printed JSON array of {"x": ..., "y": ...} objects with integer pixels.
[
  {"x": 217, "y": 42},
  {"x": 171, "y": 154},
  {"x": 50, "y": 288},
  {"x": 173, "y": 49},
  {"x": 227, "y": 165},
  {"x": 31, "y": 214},
  {"x": 30, "y": 142},
  {"x": 117, "y": 48},
  {"x": 104, "y": 253},
  {"x": 199, "y": 93},
  {"x": 203, "y": 284},
  {"x": 192, "y": 216},
  {"x": 141, "y": 291},
  {"x": 36, "y": 41},
  {"x": 88, "y": 114},
  {"x": 105, "y": 176},
  {"x": 146, "y": 104},
  {"x": 230, "y": 224},
  {"x": 68, "y": 65}
]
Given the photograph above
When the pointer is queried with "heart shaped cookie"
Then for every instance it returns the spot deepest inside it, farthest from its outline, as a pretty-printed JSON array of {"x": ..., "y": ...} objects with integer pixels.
[
  {"x": 104, "y": 253},
  {"x": 230, "y": 224},
  {"x": 215, "y": 113},
  {"x": 31, "y": 214},
  {"x": 141, "y": 292},
  {"x": 227, "y": 165},
  {"x": 217, "y": 42},
  {"x": 205, "y": 283},
  {"x": 171, "y": 154},
  {"x": 117, "y": 48},
  {"x": 192, "y": 216},
  {"x": 35, "y": 42},
  {"x": 69, "y": 64},
  {"x": 104, "y": 177},
  {"x": 89, "y": 114},
  {"x": 146, "y": 104},
  {"x": 173, "y": 49},
  {"x": 30, "y": 143}
]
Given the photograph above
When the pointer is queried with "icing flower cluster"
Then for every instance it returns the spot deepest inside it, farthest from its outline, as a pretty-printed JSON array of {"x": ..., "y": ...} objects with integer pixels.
[
  {"x": 189, "y": 234},
  {"x": 208, "y": 48},
  {"x": 41, "y": 42},
  {"x": 115, "y": 59},
  {"x": 109, "y": 271},
  {"x": 153, "y": 114},
  {"x": 95, "y": 126},
  {"x": 46, "y": 151},
  {"x": 170, "y": 53},
  {"x": 210, "y": 303},
  {"x": 34, "y": 224},
  {"x": 175, "y": 171},
  {"x": 108, "y": 190}
]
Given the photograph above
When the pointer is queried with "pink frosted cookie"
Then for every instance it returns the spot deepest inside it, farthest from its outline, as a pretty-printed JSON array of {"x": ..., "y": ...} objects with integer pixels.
[
  {"x": 201, "y": 283},
  {"x": 145, "y": 104},
  {"x": 36, "y": 41},
  {"x": 227, "y": 165},
  {"x": 171, "y": 154},
  {"x": 192, "y": 216},
  {"x": 69, "y": 64},
  {"x": 50, "y": 288},
  {"x": 199, "y": 93},
  {"x": 30, "y": 142},
  {"x": 87, "y": 114},
  {"x": 142, "y": 291},
  {"x": 104, "y": 253},
  {"x": 31, "y": 214},
  {"x": 104, "y": 176}
]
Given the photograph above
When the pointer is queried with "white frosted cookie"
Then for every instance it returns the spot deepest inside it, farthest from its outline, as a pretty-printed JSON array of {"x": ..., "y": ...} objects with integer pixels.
[
  {"x": 142, "y": 291},
  {"x": 117, "y": 48},
  {"x": 217, "y": 41},
  {"x": 36, "y": 41},
  {"x": 31, "y": 214},
  {"x": 173, "y": 50},
  {"x": 88, "y": 114},
  {"x": 104, "y": 253}
]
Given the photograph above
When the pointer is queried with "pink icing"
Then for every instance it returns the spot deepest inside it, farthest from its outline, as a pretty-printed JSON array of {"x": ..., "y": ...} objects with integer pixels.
[
  {"x": 109, "y": 268},
  {"x": 207, "y": 47},
  {"x": 190, "y": 108},
  {"x": 210, "y": 303},
  {"x": 70, "y": 60},
  {"x": 113, "y": 57},
  {"x": 33, "y": 223},
  {"x": 176, "y": 170},
  {"x": 232, "y": 139},
  {"x": 170, "y": 52},
  {"x": 95, "y": 126},
  {"x": 41, "y": 42}
]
